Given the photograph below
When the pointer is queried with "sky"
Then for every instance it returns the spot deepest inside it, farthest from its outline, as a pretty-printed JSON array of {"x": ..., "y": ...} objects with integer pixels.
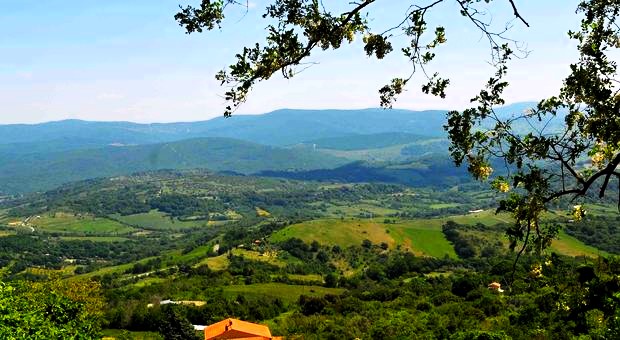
[{"x": 129, "y": 60}]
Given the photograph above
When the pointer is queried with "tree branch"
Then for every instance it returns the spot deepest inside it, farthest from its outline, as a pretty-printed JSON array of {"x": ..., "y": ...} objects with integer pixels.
[
  {"x": 516, "y": 12},
  {"x": 527, "y": 237},
  {"x": 608, "y": 171}
]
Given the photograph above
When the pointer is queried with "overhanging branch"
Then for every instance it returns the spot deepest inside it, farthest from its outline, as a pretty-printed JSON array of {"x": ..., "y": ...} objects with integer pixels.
[{"x": 517, "y": 14}]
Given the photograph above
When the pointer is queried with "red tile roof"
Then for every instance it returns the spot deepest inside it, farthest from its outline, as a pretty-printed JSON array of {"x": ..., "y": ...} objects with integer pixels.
[{"x": 237, "y": 329}]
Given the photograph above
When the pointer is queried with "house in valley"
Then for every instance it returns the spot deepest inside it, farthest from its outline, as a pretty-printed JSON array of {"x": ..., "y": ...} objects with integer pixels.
[{"x": 237, "y": 329}]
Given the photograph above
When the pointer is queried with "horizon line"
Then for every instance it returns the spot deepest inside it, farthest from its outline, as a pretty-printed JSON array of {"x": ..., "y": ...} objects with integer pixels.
[{"x": 240, "y": 114}]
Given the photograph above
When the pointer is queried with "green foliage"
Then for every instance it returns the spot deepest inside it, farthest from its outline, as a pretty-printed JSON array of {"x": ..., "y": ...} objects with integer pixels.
[
  {"x": 546, "y": 165},
  {"x": 174, "y": 324},
  {"x": 50, "y": 310},
  {"x": 589, "y": 97},
  {"x": 598, "y": 231},
  {"x": 398, "y": 284},
  {"x": 301, "y": 27}
]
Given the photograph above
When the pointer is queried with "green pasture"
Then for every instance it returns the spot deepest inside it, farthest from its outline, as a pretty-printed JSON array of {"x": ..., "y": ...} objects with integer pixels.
[
  {"x": 157, "y": 220},
  {"x": 288, "y": 293},
  {"x": 422, "y": 239},
  {"x": 344, "y": 233},
  {"x": 69, "y": 223},
  {"x": 568, "y": 245}
]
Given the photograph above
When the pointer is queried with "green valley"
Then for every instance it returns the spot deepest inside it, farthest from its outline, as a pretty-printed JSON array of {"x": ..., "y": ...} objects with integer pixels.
[{"x": 281, "y": 251}]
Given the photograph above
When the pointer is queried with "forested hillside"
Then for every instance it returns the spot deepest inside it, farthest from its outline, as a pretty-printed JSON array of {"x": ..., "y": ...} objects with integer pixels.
[{"x": 45, "y": 170}]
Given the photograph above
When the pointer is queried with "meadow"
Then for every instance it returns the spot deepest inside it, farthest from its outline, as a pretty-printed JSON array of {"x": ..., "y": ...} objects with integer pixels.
[
  {"x": 288, "y": 293},
  {"x": 342, "y": 232},
  {"x": 83, "y": 224},
  {"x": 156, "y": 220}
]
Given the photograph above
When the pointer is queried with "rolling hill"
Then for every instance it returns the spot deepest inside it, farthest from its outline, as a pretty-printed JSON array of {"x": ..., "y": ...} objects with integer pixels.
[
  {"x": 401, "y": 146},
  {"x": 41, "y": 171}
]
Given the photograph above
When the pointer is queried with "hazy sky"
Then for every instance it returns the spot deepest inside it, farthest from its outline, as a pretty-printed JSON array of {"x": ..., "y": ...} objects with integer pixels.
[{"x": 129, "y": 60}]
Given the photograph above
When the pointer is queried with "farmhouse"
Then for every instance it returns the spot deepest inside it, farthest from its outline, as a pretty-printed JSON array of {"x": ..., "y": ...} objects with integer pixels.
[
  {"x": 237, "y": 329},
  {"x": 496, "y": 286}
]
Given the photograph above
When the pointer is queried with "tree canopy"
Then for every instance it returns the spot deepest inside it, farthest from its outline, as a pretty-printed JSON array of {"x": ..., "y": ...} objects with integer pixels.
[
  {"x": 50, "y": 310},
  {"x": 541, "y": 165}
]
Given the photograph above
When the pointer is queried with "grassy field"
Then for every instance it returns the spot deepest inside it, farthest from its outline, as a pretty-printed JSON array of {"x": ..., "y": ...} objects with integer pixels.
[
  {"x": 486, "y": 217},
  {"x": 111, "y": 269},
  {"x": 288, "y": 293},
  {"x": 149, "y": 281},
  {"x": 443, "y": 205},
  {"x": 568, "y": 245},
  {"x": 335, "y": 231},
  {"x": 421, "y": 236},
  {"x": 356, "y": 209},
  {"x": 69, "y": 223},
  {"x": 158, "y": 221},
  {"x": 196, "y": 253},
  {"x": 215, "y": 263},
  {"x": 306, "y": 278},
  {"x": 422, "y": 239}
]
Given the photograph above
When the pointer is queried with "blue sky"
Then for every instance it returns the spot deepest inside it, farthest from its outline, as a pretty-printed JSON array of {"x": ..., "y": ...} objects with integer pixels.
[{"x": 129, "y": 60}]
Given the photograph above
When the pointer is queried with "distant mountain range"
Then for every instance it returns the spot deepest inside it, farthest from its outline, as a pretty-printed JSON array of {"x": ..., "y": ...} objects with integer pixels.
[
  {"x": 41, "y": 156},
  {"x": 281, "y": 128}
]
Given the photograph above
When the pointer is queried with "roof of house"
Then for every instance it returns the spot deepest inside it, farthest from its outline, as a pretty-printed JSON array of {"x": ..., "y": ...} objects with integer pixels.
[{"x": 237, "y": 329}]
